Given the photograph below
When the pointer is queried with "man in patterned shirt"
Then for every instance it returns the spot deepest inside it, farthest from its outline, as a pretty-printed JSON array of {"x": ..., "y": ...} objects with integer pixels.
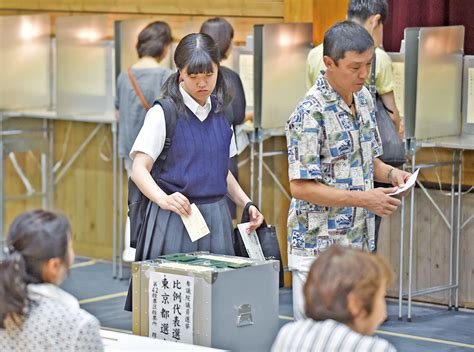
[{"x": 333, "y": 145}]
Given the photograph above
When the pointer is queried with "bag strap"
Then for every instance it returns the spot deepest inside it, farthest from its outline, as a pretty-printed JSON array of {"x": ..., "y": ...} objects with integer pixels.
[
  {"x": 137, "y": 89},
  {"x": 372, "y": 85},
  {"x": 169, "y": 109}
]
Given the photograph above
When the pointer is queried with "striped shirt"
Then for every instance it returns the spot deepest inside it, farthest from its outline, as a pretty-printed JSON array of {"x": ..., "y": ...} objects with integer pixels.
[{"x": 326, "y": 336}]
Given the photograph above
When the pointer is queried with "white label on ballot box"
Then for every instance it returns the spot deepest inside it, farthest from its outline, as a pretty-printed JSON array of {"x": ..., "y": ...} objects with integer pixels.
[{"x": 170, "y": 306}]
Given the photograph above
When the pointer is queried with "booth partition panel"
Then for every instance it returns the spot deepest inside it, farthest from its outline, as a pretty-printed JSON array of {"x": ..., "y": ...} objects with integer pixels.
[
  {"x": 438, "y": 105},
  {"x": 84, "y": 65},
  {"x": 25, "y": 59},
  {"x": 280, "y": 52}
]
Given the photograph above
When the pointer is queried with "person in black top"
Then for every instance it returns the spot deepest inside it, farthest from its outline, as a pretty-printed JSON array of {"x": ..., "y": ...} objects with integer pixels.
[{"x": 221, "y": 31}]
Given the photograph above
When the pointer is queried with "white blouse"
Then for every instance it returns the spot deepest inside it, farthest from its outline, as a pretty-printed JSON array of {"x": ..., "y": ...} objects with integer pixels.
[
  {"x": 151, "y": 138},
  {"x": 54, "y": 323}
]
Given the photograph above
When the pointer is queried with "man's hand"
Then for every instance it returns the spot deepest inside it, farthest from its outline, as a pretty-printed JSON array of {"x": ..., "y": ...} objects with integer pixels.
[
  {"x": 398, "y": 178},
  {"x": 379, "y": 202}
]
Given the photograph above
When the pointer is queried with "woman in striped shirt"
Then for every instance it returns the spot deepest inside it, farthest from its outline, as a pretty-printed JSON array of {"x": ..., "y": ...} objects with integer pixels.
[{"x": 344, "y": 303}]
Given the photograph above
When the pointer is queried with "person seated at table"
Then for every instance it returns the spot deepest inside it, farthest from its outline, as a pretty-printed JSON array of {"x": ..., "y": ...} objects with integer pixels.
[
  {"x": 344, "y": 303},
  {"x": 35, "y": 314}
]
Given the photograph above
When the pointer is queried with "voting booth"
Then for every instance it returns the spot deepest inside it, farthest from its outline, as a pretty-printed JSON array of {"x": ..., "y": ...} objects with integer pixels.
[
  {"x": 428, "y": 80},
  {"x": 433, "y": 90},
  {"x": 468, "y": 96},
  {"x": 206, "y": 299}
]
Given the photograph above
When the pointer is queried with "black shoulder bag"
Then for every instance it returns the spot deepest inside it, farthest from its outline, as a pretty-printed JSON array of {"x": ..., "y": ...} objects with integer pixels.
[
  {"x": 268, "y": 238},
  {"x": 393, "y": 147}
]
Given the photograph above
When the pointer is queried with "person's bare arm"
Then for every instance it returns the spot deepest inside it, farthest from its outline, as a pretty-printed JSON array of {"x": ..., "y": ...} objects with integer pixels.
[
  {"x": 376, "y": 200},
  {"x": 238, "y": 196},
  {"x": 391, "y": 175},
  {"x": 141, "y": 167}
]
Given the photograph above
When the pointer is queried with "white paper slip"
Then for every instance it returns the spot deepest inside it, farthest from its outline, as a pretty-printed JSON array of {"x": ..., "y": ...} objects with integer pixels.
[
  {"x": 233, "y": 260},
  {"x": 195, "y": 224},
  {"x": 251, "y": 242},
  {"x": 409, "y": 184}
]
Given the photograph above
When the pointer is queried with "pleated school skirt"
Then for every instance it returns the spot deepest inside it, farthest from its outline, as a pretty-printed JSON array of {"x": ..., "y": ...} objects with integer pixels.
[{"x": 165, "y": 232}]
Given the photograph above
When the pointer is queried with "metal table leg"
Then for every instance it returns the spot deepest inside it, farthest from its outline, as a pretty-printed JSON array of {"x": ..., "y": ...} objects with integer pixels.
[
  {"x": 44, "y": 171},
  {"x": 252, "y": 164},
  {"x": 120, "y": 216},
  {"x": 458, "y": 227},
  {"x": 114, "y": 215},
  {"x": 451, "y": 240},
  {"x": 402, "y": 235},
  {"x": 50, "y": 127},
  {"x": 410, "y": 249}
]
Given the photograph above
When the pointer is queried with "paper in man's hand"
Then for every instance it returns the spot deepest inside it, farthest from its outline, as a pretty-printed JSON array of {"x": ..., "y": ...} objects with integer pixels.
[{"x": 409, "y": 184}]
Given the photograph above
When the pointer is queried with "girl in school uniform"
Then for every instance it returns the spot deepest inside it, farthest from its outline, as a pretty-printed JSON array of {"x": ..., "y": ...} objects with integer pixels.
[
  {"x": 219, "y": 29},
  {"x": 196, "y": 168}
]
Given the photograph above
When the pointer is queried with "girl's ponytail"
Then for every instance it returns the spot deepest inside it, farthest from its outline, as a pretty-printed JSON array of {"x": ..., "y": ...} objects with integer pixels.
[{"x": 14, "y": 299}]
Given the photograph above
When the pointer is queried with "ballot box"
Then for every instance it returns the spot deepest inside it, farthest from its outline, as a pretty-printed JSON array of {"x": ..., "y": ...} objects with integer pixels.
[{"x": 209, "y": 300}]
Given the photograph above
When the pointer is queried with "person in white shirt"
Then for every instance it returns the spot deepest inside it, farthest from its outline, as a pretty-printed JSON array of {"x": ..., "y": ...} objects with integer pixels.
[
  {"x": 345, "y": 303},
  {"x": 196, "y": 168},
  {"x": 35, "y": 314}
]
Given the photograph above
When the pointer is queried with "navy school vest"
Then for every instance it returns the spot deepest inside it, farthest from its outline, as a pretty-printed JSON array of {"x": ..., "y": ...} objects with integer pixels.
[{"x": 197, "y": 162}]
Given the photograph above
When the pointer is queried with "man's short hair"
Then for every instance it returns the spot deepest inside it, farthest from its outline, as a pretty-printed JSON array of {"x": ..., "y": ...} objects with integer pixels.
[
  {"x": 346, "y": 36},
  {"x": 361, "y": 10},
  {"x": 339, "y": 271}
]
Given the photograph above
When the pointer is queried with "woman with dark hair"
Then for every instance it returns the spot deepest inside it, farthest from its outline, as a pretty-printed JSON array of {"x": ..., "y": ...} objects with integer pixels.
[
  {"x": 35, "y": 314},
  {"x": 196, "y": 169},
  {"x": 345, "y": 303},
  {"x": 147, "y": 76},
  {"x": 221, "y": 31}
]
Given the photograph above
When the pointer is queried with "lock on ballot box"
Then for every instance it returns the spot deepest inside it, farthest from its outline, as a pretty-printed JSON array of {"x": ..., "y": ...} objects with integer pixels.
[{"x": 205, "y": 299}]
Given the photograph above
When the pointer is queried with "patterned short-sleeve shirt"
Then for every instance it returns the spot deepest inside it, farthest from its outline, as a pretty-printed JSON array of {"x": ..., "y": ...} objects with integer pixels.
[{"x": 326, "y": 143}]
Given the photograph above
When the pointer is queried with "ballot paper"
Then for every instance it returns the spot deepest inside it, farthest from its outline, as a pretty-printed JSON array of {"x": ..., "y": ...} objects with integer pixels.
[
  {"x": 251, "y": 242},
  {"x": 185, "y": 267},
  {"x": 232, "y": 260},
  {"x": 195, "y": 224},
  {"x": 409, "y": 184}
]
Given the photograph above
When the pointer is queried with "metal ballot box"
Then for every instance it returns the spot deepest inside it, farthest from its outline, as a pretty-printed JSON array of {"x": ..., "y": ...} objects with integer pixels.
[{"x": 209, "y": 300}]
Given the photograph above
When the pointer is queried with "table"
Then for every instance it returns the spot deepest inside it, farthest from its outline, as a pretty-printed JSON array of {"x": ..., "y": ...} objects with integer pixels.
[{"x": 458, "y": 144}]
